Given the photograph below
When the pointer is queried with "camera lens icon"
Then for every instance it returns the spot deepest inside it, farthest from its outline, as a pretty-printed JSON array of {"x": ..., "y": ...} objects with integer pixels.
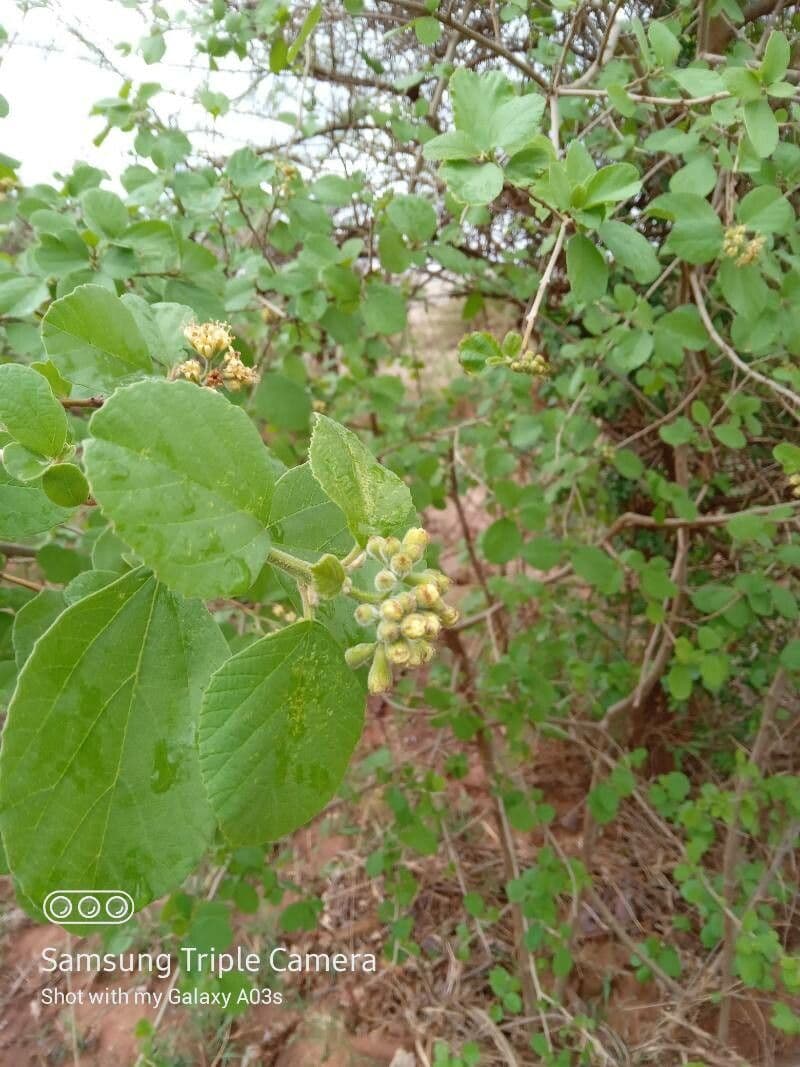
[{"x": 95, "y": 907}]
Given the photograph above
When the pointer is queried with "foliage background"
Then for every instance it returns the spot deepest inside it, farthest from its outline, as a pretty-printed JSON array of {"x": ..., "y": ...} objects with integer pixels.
[{"x": 573, "y": 835}]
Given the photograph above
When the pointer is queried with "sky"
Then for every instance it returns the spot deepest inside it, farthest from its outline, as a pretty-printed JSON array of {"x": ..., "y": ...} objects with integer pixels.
[{"x": 51, "y": 80}]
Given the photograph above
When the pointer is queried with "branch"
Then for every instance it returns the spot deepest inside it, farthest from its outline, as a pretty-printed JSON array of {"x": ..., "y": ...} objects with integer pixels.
[
  {"x": 737, "y": 361},
  {"x": 730, "y": 860},
  {"x": 475, "y": 35}
]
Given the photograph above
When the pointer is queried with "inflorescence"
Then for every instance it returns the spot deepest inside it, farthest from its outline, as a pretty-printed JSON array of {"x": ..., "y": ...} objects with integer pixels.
[
  {"x": 211, "y": 340},
  {"x": 409, "y": 614},
  {"x": 736, "y": 246}
]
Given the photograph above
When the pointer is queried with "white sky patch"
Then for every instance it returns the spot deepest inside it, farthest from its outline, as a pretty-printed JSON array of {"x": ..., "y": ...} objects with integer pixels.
[{"x": 51, "y": 79}]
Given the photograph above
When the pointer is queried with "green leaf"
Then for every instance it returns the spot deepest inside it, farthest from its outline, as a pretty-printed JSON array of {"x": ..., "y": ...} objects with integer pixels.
[
  {"x": 329, "y": 576},
  {"x": 476, "y": 350},
  {"x": 20, "y": 296},
  {"x": 516, "y": 124},
  {"x": 610, "y": 184},
  {"x": 414, "y": 216},
  {"x": 187, "y": 482},
  {"x": 278, "y": 726},
  {"x": 25, "y": 510},
  {"x": 30, "y": 412},
  {"x": 695, "y": 81},
  {"x": 476, "y": 99},
  {"x": 597, "y": 568},
  {"x": 776, "y": 58},
  {"x": 761, "y": 126},
  {"x": 714, "y": 670},
  {"x": 93, "y": 339},
  {"x": 153, "y": 47},
  {"x": 99, "y": 775},
  {"x": 628, "y": 464},
  {"x": 308, "y": 27},
  {"x": 283, "y": 403},
  {"x": 473, "y": 183},
  {"x": 22, "y": 464},
  {"x": 455, "y": 144},
  {"x": 104, "y": 212},
  {"x": 586, "y": 268},
  {"x": 428, "y": 30},
  {"x": 696, "y": 234},
  {"x": 373, "y": 499},
  {"x": 790, "y": 656},
  {"x": 384, "y": 309},
  {"x": 729, "y": 434},
  {"x": 679, "y": 681},
  {"x": 603, "y": 803},
  {"x": 32, "y": 619},
  {"x": 767, "y": 210},
  {"x": 630, "y": 249},
  {"x": 788, "y": 455},
  {"x": 664, "y": 43},
  {"x": 305, "y": 521},
  {"x": 678, "y": 432},
  {"x": 502, "y": 541},
  {"x": 66, "y": 485}
]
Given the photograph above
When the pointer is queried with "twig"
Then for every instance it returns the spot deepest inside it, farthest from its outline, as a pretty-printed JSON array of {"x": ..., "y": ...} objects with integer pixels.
[
  {"x": 730, "y": 859},
  {"x": 737, "y": 361},
  {"x": 539, "y": 296},
  {"x": 37, "y": 587}
]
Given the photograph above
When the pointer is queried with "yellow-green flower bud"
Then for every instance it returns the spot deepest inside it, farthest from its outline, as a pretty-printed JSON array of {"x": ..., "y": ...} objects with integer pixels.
[
  {"x": 428, "y": 651},
  {"x": 416, "y": 537},
  {"x": 433, "y": 625},
  {"x": 407, "y": 601},
  {"x": 392, "y": 610},
  {"x": 388, "y": 631},
  {"x": 427, "y": 595},
  {"x": 375, "y": 547},
  {"x": 449, "y": 615},
  {"x": 413, "y": 626},
  {"x": 385, "y": 581},
  {"x": 365, "y": 614},
  {"x": 414, "y": 552},
  {"x": 401, "y": 563},
  {"x": 358, "y": 655},
  {"x": 391, "y": 546},
  {"x": 380, "y": 673},
  {"x": 416, "y": 655},
  {"x": 398, "y": 653}
]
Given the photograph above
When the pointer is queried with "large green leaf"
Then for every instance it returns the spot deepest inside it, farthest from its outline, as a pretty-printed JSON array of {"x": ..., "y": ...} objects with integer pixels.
[
  {"x": 304, "y": 520},
  {"x": 186, "y": 481},
  {"x": 373, "y": 499},
  {"x": 94, "y": 340},
  {"x": 104, "y": 212},
  {"x": 696, "y": 234},
  {"x": 610, "y": 184},
  {"x": 30, "y": 412},
  {"x": 278, "y": 726},
  {"x": 99, "y": 776},
  {"x": 20, "y": 295},
  {"x": 33, "y": 618},
  {"x": 26, "y": 510},
  {"x": 630, "y": 249},
  {"x": 586, "y": 268},
  {"x": 473, "y": 183},
  {"x": 762, "y": 126},
  {"x": 767, "y": 210}
]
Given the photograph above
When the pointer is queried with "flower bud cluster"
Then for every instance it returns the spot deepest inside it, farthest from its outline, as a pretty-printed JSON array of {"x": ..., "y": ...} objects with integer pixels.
[
  {"x": 410, "y": 615},
  {"x": 736, "y": 246},
  {"x": 531, "y": 363},
  {"x": 211, "y": 340},
  {"x": 794, "y": 482}
]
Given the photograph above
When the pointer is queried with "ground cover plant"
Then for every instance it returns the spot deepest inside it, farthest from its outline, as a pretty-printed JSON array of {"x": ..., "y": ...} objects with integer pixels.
[{"x": 318, "y": 606}]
